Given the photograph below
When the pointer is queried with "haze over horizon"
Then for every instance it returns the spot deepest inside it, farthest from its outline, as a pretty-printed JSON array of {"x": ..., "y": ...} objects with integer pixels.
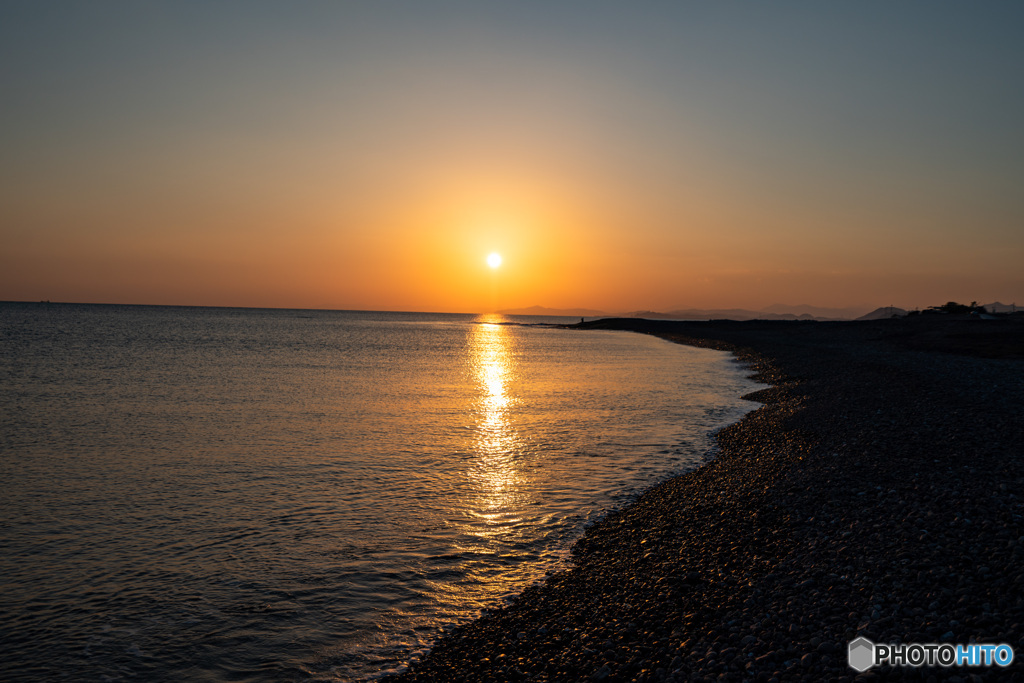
[{"x": 655, "y": 156}]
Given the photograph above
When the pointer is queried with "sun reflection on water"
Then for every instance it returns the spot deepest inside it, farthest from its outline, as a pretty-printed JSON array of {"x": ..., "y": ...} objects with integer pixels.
[{"x": 495, "y": 471}]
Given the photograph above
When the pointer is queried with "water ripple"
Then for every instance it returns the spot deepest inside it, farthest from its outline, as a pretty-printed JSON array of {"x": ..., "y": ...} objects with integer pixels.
[{"x": 213, "y": 494}]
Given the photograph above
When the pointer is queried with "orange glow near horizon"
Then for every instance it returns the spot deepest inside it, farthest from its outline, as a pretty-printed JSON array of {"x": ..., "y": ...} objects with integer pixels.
[
  {"x": 427, "y": 256},
  {"x": 618, "y": 161}
]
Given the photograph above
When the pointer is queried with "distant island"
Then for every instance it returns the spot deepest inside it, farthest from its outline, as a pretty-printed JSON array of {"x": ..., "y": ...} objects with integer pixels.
[
  {"x": 774, "y": 312},
  {"x": 564, "y": 312}
]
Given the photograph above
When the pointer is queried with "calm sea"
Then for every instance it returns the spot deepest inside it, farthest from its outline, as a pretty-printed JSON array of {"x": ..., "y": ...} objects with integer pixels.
[{"x": 265, "y": 495}]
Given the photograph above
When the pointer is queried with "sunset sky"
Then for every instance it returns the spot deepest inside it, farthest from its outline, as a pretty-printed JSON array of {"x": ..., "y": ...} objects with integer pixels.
[{"x": 619, "y": 156}]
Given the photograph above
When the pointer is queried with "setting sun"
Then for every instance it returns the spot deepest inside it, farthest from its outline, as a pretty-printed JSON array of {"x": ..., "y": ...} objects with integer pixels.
[{"x": 494, "y": 259}]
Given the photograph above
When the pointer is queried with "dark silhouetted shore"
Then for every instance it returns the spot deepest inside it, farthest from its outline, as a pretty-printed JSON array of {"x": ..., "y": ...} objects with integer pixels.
[{"x": 878, "y": 492}]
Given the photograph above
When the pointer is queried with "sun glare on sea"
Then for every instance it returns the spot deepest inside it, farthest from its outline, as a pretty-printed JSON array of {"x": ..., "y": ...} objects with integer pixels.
[{"x": 494, "y": 259}]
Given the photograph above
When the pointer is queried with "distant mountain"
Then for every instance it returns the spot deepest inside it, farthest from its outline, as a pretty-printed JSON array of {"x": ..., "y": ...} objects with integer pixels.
[
  {"x": 777, "y": 312},
  {"x": 696, "y": 314},
  {"x": 650, "y": 315},
  {"x": 774, "y": 312},
  {"x": 884, "y": 313},
  {"x": 818, "y": 312},
  {"x": 555, "y": 312}
]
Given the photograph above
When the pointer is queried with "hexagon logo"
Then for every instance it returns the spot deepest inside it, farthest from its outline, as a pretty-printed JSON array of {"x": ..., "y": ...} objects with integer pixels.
[{"x": 861, "y": 655}]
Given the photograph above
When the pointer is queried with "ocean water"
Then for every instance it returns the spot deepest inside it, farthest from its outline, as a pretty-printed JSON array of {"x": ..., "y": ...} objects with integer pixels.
[{"x": 271, "y": 495}]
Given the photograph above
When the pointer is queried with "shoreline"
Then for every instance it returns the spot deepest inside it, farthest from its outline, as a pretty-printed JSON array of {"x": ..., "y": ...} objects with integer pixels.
[{"x": 877, "y": 492}]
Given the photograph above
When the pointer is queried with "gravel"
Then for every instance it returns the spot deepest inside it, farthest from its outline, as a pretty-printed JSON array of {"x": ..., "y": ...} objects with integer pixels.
[{"x": 878, "y": 492}]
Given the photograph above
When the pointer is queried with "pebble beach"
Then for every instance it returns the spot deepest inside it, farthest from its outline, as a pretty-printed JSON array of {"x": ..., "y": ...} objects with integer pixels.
[{"x": 877, "y": 492}]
